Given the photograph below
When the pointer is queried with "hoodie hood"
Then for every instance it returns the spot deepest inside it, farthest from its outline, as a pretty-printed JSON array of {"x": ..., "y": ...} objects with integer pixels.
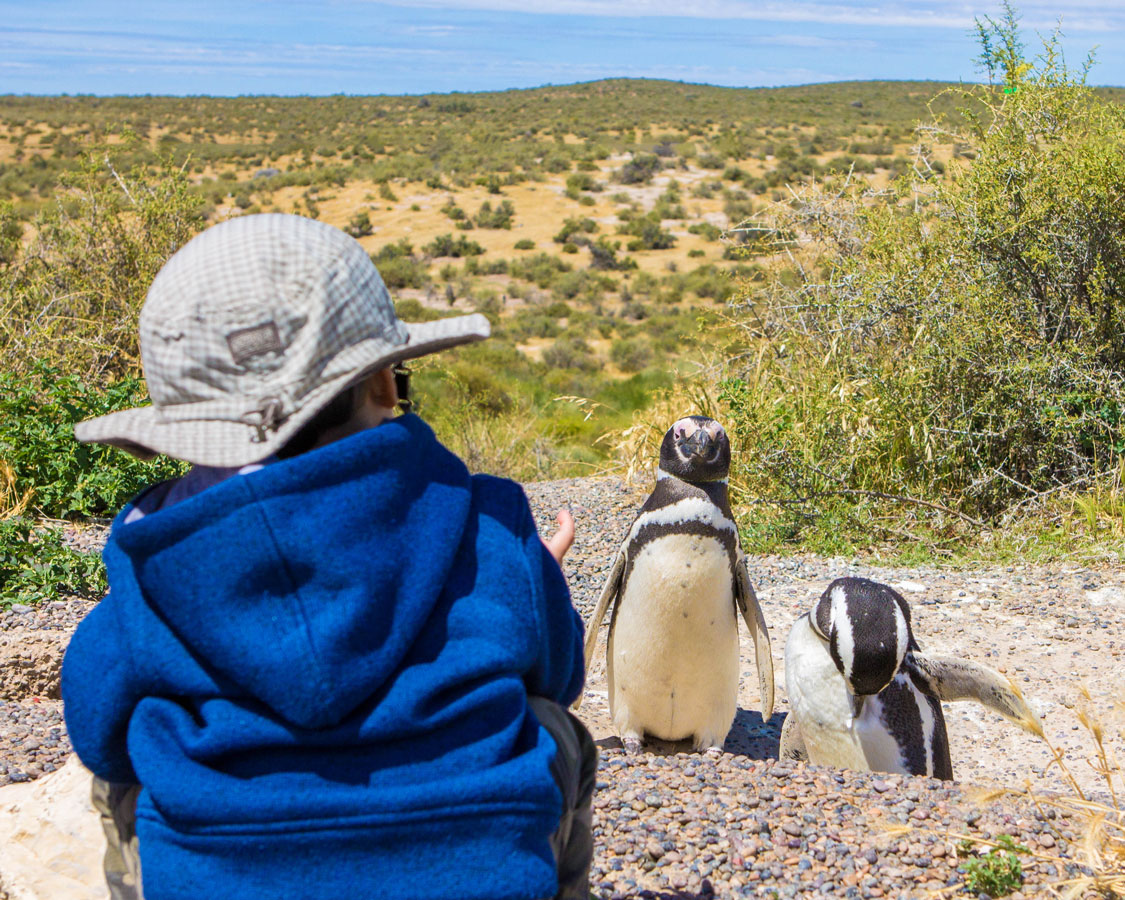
[{"x": 307, "y": 582}]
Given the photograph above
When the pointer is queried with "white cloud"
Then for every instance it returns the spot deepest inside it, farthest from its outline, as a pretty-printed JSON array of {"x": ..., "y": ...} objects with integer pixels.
[{"x": 1077, "y": 15}]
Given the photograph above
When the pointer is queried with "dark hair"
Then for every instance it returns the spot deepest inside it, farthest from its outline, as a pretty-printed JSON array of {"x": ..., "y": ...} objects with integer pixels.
[{"x": 339, "y": 409}]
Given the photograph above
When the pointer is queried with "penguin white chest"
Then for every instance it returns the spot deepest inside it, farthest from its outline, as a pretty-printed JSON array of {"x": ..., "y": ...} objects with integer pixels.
[{"x": 673, "y": 647}]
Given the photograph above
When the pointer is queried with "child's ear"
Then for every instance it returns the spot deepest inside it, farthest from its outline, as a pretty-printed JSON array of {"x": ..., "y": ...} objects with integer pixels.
[{"x": 381, "y": 388}]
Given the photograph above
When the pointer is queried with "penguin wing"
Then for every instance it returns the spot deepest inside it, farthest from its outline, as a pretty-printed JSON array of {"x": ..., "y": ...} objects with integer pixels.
[
  {"x": 609, "y": 594},
  {"x": 792, "y": 744},
  {"x": 746, "y": 599},
  {"x": 959, "y": 679}
]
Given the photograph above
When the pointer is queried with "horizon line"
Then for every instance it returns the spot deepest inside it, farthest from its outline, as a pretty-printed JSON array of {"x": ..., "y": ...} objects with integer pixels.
[{"x": 537, "y": 87}]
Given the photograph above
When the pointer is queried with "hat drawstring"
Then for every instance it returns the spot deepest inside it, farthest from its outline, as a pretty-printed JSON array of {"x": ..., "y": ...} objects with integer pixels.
[{"x": 269, "y": 417}]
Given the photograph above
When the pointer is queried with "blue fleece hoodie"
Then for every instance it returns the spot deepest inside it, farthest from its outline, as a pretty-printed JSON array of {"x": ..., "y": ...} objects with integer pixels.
[{"x": 319, "y": 672}]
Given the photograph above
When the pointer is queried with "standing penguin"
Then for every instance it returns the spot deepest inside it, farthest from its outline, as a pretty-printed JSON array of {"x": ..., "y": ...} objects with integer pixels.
[
  {"x": 862, "y": 695},
  {"x": 675, "y": 586}
]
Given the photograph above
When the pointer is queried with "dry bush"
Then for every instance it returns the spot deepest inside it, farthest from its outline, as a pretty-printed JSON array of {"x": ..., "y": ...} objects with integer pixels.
[
  {"x": 72, "y": 298},
  {"x": 950, "y": 349}
]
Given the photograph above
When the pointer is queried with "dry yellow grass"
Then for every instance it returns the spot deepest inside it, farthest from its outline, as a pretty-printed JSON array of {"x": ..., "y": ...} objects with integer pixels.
[{"x": 12, "y": 501}]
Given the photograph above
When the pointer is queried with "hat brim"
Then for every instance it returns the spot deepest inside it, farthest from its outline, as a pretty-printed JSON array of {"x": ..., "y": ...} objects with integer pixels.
[{"x": 144, "y": 432}]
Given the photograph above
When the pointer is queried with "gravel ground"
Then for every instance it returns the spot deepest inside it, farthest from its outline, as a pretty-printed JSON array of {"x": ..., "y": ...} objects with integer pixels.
[{"x": 674, "y": 824}]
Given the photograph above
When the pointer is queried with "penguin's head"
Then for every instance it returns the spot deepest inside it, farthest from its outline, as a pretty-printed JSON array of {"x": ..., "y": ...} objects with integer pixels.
[
  {"x": 867, "y": 627},
  {"x": 696, "y": 449}
]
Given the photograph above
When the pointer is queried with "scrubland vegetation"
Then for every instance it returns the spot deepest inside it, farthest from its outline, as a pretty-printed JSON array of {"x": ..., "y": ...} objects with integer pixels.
[{"x": 904, "y": 300}]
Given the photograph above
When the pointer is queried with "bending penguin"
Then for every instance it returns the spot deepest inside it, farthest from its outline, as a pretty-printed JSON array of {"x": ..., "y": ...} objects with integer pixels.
[
  {"x": 862, "y": 695},
  {"x": 677, "y": 586}
]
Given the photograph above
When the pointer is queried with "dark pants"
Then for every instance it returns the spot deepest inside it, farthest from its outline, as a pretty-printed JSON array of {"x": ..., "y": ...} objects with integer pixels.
[{"x": 574, "y": 768}]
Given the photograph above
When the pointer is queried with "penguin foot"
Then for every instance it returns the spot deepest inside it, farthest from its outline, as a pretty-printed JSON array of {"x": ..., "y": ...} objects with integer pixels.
[
  {"x": 632, "y": 745},
  {"x": 713, "y": 752}
]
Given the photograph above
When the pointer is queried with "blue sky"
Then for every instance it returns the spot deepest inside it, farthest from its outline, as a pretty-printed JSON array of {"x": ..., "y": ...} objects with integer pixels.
[{"x": 361, "y": 47}]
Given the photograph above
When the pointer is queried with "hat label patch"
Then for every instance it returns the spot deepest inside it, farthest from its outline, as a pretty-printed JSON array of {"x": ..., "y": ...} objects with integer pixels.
[{"x": 246, "y": 343}]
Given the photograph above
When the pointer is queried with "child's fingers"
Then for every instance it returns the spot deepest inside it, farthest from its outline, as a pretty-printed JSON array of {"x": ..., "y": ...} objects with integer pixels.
[{"x": 561, "y": 540}]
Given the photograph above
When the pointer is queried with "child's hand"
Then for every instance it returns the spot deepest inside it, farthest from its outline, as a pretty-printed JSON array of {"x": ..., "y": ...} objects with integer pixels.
[{"x": 562, "y": 539}]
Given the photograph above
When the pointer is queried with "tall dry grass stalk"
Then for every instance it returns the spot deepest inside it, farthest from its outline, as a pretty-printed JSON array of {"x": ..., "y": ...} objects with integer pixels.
[
  {"x": 1100, "y": 849},
  {"x": 12, "y": 501},
  {"x": 637, "y": 448}
]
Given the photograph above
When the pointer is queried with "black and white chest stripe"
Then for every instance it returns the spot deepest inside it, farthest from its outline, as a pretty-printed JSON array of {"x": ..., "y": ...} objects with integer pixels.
[{"x": 677, "y": 507}]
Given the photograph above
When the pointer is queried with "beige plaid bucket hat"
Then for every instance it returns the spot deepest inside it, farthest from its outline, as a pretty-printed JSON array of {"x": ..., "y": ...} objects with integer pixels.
[{"x": 251, "y": 329}]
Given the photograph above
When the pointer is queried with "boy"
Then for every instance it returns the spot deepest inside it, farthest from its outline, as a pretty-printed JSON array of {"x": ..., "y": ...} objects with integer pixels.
[{"x": 334, "y": 663}]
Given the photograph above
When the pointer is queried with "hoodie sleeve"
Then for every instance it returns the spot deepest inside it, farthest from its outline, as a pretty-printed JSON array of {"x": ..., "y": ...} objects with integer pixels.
[
  {"x": 558, "y": 670},
  {"x": 99, "y": 690}
]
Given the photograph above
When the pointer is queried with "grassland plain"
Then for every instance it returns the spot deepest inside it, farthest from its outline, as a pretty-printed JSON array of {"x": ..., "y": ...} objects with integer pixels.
[{"x": 607, "y": 281}]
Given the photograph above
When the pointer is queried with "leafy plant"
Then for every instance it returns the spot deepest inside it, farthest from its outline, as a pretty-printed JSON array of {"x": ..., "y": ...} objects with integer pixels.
[
  {"x": 74, "y": 296},
  {"x": 575, "y": 226},
  {"x": 640, "y": 169},
  {"x": 36, "y": 565},
  {"x": 400, "y": 267},
  {"x": 647, "y": 233},
  {"x": 359, "y": 225},
  {"x": 997, "y": 873},
  {"x": 38, "y": 412}
]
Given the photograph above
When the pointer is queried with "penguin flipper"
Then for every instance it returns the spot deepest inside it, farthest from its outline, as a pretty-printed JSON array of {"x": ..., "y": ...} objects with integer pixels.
[
  {"x": 756, "y": 623},
  {"x": 960, "y": 679},
  {"x": 792, "y": 742},
  {"x": 609, "y": 594}
]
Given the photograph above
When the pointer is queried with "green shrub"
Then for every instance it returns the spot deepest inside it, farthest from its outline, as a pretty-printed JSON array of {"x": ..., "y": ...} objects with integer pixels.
[
  {"x": 581, "y": 181},
  {"x": 997, "y": 873},
  {"x": 647, "y": 233},
  {"x": 37, "y": 566},
  {"x": 447, "y": 245},
  {"x": 575, "y": 226},
  {"x": 570, "y": 353},
  {"x": 359, "y": 225},
  {"x": 455, "y": 213},
  {"x": 640, "y": 169},
  {"x": 38, "y": 411},
  {"x": 603, "y": 256},
  {"x": 708, "y": 231},
  {"x": 962, "y": 350},
  {"x": 499, "y": 217},
  {"x": 630, "y": 355},
  {"x": 73, "y": 298},
  {"x": 541, "y": 269},
  {"x": 399, "y": 266},
  {"x": 525, "y": 244}
]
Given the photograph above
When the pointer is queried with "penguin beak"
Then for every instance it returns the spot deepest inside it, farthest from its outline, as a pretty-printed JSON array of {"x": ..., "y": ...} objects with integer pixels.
[
  {"x": 857, "y": 706},
  {"x": 700, "y": 445}
]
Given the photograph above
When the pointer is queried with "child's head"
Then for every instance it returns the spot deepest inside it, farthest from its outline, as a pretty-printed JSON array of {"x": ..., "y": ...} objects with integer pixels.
[{"x": 268, "y": 334}]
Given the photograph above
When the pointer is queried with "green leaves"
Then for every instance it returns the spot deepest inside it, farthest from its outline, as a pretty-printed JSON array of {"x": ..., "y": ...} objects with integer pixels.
[
  {"x": 38, "y": 412},
  {"x": 997, "y": 873},
  {"x": 36, "y": 565}
]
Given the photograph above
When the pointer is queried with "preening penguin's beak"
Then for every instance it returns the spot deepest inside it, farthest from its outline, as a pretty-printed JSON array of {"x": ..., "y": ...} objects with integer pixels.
[
  {"x": 699, "y": 446},
  {"x": 857, "y": 706}
]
